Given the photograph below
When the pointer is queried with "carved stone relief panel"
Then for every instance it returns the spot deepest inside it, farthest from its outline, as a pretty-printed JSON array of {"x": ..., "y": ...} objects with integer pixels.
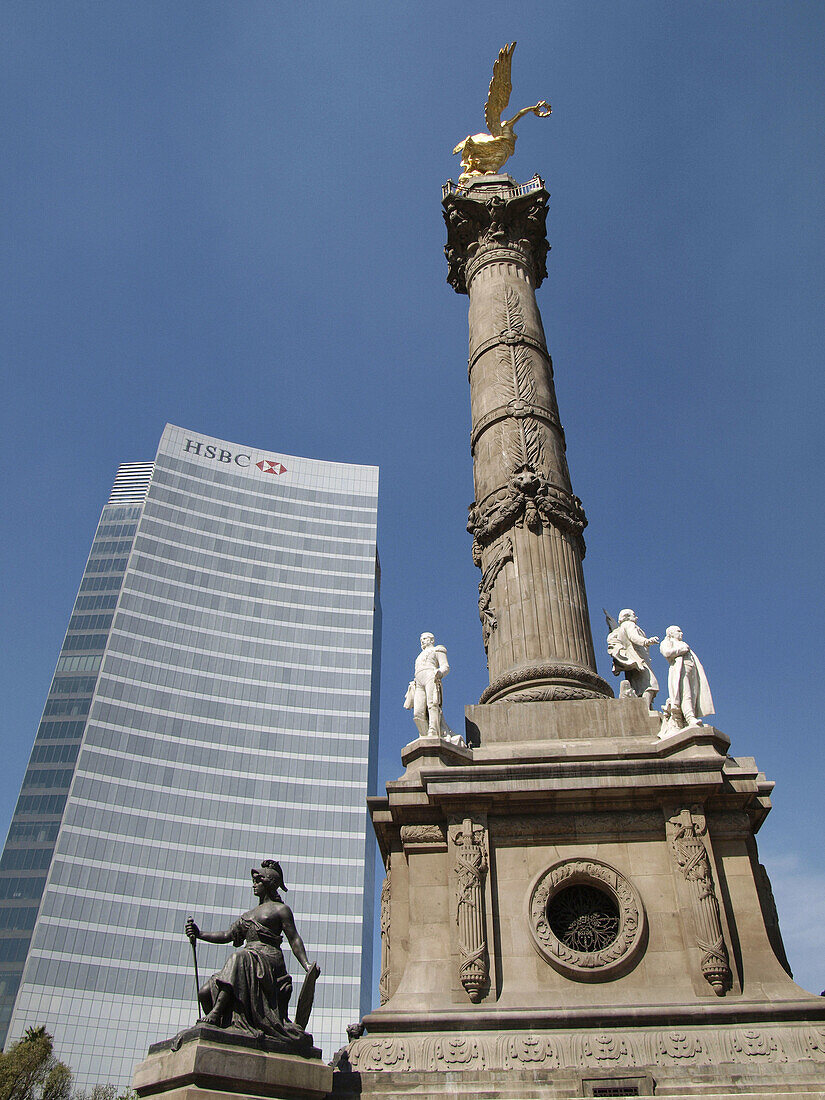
[
  {"x": 686, "y": 831},
  {"x": 384, "y": 979},
  {"x": 433, "y": 836},
  {"x": 470, "y": 852}
]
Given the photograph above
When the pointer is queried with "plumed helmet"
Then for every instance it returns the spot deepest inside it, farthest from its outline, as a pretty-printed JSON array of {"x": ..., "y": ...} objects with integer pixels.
[{"x": 268, "y": 869}]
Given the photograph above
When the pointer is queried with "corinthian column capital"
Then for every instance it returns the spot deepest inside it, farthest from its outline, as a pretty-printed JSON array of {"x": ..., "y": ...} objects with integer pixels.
[{"x": 494, "y": 220}]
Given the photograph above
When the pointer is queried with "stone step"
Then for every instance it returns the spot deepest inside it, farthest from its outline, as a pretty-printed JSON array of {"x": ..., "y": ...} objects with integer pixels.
[
  {"x": 798, "y": 1091},
  {"x": 456, "y": 1089}
]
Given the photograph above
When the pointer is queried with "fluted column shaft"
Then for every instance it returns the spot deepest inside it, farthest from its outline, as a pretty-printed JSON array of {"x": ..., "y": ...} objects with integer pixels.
[{"x": 526, "y": 523}]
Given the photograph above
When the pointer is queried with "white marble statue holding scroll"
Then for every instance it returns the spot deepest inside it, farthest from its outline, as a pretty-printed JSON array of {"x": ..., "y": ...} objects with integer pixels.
[{"x": 688, "y": 692}]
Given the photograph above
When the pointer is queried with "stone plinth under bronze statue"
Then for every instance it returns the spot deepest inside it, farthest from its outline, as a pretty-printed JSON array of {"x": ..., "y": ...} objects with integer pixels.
[
  {"x": 246, "y": 1044},
  {"x": 573, "y": 905}
]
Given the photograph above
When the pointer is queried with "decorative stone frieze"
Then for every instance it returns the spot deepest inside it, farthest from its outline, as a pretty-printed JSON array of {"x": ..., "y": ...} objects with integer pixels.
[
  {"x": 586, "y": 919},
  {"x": 754, "y": 1044},
  {"x": 527, "y": 1050},
  {"x": 685, "y": 832},
  {"x": 557, "y": 826},
  {"x": 815, "y": 1044},
  {"x": 386, "y": 900},
  {"x": 605, "y": 1048},
  {"x": 454, "y": 1053},
  {"x": 382, "y": 1054},
  {"x": 676, "y": 1048},
  {"x": 471, "y": 868}
]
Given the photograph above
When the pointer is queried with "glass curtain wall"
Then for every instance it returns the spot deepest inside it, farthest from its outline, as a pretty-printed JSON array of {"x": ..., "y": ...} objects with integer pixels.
[
  {"x": 33, "y": 831},
  {"x": 233, "y": 719}
]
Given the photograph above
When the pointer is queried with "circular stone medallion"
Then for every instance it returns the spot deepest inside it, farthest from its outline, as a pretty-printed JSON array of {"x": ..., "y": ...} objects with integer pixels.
[{"x": 586, "y": 919}]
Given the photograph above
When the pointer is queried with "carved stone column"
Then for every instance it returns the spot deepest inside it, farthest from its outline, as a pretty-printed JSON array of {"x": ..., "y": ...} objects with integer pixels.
[
  {"x": 384, "y": 979},
  {"x": 526, "y": 523},
  {"x": 471, "y": 868},
  {"x": 685, "y": 831}
]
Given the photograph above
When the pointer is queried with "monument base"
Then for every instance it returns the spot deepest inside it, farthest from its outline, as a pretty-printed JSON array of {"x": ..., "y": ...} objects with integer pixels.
[
  {"x": 575, "y": 907},
  {"x": 210, "y": 1064}
]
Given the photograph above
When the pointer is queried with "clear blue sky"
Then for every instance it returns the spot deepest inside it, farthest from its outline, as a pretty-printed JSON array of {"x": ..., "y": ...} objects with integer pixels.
[{"x": 227, "y": 215}]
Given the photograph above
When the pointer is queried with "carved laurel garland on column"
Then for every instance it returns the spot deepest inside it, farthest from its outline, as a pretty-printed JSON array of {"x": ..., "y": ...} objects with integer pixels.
[
  {"x": 384, "y": 980},
  {"x": 527, "y": 498},
  {"x": 685, "y": 832},
  {"x": 489, "y": 622},
  {"x": 471, "y": 867}
]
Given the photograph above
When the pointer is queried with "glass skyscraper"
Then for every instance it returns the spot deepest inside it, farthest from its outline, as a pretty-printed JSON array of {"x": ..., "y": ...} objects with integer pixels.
[{"x": 215, "y": 703}]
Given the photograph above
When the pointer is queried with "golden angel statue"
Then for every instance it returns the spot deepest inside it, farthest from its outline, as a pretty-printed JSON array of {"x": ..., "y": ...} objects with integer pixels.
[{"x": 484, "y": 154}]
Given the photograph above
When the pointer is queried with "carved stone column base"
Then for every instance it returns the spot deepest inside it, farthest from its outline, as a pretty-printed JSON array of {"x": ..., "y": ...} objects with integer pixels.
[
  {"x": 217, "y": 1068},
  {"x": 546, "y": 682}
]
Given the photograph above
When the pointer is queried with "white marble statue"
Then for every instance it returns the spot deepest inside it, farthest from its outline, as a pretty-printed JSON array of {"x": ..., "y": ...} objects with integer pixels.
[
  {"x": 688, "y": 692},
  {"x": 628, "y": 645},
  {"x": 424, "y": 695}
]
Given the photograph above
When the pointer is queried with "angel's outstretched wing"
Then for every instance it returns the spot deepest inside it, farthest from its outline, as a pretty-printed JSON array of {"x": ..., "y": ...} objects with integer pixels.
[
  {"x": 500, "y": 88},
  {"x": 611, "y": 622}
]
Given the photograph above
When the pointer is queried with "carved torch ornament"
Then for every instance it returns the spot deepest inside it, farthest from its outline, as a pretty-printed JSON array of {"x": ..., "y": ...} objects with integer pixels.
[
  {"x": 471, "y": 867},
  {"x": 384, "y": 979},
  {"x": 686, "y": 831}
]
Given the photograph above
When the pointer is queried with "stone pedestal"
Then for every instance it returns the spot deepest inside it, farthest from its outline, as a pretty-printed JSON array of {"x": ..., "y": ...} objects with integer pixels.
[
  {"x": 574, "y": 904},
  {"x": 213, "y": 1064}
]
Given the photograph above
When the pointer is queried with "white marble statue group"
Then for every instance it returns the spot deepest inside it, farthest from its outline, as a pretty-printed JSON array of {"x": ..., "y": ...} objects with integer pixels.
[{"x": 688, "y": 692}]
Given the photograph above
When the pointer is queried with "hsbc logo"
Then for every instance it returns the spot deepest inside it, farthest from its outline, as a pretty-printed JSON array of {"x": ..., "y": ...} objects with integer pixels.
[
  {"x": 267, "y": 467},
  {"x": 219, "y": 454}
]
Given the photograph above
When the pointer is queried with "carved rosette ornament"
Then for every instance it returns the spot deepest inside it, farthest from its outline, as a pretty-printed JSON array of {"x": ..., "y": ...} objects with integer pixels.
[
  {"x": 586, "y": 919},
  {"x": 384, "y": 979},
  {"x": 685, "y": 832},
  {"x": 471, "y": 867},
  {"x": 526, "y": 522}
]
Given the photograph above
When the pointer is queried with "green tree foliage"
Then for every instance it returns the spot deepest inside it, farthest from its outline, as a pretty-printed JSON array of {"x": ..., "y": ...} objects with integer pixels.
[
  {"x": 58, "y": 1083},
  {"x": 30, "y": 1071},
  {"x": 101, "y": 1092},
  {"x": 97, "y": 1092}
]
